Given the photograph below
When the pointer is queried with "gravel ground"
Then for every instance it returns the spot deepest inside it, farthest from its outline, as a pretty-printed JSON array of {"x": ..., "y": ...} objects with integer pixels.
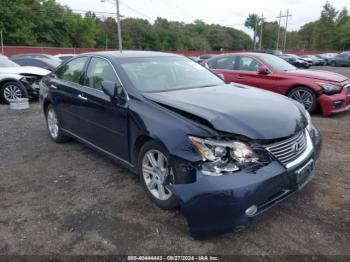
[{"x": 68, "y": 199}]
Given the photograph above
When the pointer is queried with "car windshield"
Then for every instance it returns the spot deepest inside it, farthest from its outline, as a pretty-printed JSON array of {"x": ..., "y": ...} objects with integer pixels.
[
  {"x": 168, "y": 73},
  {"x": 277, "y": 63},
  {"x": 4, "y": 62}
]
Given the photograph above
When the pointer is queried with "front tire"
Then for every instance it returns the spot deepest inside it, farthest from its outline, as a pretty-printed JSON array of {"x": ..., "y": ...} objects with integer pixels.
[
  {"x": 155, "y": 173},
  {"x": 54, "y": 126},
  {"x": 333, "y": 63},
  {"x": 12, "y": 90},
  {"x": 305, "y": 96}
]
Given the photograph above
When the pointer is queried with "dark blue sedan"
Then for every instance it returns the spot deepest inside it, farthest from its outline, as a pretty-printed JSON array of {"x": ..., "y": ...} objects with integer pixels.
[{"x": 224, "y": 153}]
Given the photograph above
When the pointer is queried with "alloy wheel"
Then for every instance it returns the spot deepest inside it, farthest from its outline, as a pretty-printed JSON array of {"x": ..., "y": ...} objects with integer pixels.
[
  {"x": 155, "y": 170},
  {"x": 12, "y": 92},
  {"x": 52, "y": 123},
  {"x": 304, "y": 97}
]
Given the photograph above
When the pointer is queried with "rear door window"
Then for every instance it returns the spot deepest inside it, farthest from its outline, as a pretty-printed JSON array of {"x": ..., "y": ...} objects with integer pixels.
[
  {"x": 224, "y": 63},
  {"x": 246, "y": 63},
  {"x": 73, "y": 70}
]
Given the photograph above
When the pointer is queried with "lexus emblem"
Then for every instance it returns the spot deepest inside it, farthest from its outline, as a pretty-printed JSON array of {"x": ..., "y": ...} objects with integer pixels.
[{"x": 296, "y": 147}]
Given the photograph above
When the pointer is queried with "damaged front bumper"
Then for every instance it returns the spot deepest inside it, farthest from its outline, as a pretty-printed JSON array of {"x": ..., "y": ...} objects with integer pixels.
[
  {"x": 32, "y": 86},
  {"x": 216, "y": 205}
]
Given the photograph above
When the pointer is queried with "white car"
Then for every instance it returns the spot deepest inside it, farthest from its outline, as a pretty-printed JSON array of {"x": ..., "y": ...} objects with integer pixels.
[
  {"x": 19, "y": 81},
  {"x": 64, "y": 57}
]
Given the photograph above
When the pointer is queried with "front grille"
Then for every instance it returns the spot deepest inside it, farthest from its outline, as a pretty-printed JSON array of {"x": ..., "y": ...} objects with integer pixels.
[{"x": 290, "y": 149}]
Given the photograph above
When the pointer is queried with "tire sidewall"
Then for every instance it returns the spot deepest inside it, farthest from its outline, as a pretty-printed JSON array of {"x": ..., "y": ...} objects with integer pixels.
[
  {"x": 170, "y": 203},
  {"x": 23, "y": 90}
]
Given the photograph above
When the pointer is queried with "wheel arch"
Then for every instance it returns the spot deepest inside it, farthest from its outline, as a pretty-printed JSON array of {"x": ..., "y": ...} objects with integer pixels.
[
  {"x": 46, "y": 103},
  {"x": 137, "y": 145},
  {"x": 300, "y": 85}
]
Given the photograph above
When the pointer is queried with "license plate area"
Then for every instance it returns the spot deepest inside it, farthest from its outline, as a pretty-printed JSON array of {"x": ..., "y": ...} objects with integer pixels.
[{"x": 305, "y": 174}]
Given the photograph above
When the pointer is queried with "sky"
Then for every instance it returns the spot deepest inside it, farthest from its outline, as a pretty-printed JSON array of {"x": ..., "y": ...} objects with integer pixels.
[{"x": 224, "y": 12}]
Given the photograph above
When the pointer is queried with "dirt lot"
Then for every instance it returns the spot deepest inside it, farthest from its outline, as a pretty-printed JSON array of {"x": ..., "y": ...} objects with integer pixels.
[{"x": 68, "y": 199}]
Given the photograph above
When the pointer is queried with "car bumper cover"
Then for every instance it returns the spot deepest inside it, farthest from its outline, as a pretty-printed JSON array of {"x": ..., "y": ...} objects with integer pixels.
[
  {"x": 216, "y": 205},
  {"x": 336, "y": 103}
]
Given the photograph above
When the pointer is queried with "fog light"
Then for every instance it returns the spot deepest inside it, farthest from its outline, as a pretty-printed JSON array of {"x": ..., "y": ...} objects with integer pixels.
[
  {"x": 337, "y": 104},
  {"x": 251, "y": 211}
]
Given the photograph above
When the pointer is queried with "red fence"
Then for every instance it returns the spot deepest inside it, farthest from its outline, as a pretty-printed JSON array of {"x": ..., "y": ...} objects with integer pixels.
[{"x": 14, "y": 50}]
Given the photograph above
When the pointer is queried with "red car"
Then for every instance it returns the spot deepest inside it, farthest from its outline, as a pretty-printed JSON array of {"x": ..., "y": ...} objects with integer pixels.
[{"x": 312, "y": 88}]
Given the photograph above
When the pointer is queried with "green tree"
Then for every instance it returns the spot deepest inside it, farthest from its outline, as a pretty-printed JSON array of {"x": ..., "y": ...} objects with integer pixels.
[
  {"x": 252, "y": 22},
  {"x": 325, "y": 36}
]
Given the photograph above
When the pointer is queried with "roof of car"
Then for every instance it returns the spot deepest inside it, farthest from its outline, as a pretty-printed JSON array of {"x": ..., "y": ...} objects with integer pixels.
[
  {"x": 130, "y": 54},
  {"x": 247, "y": 53},
  {"x": 31, "y": 54}
]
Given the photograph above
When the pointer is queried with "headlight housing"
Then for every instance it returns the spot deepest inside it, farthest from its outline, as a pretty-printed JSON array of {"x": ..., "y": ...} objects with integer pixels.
[
  {"x": 329, "y": 88},
  {"x": 309, "y": 126},
  {"x": 220, "y": 156}
]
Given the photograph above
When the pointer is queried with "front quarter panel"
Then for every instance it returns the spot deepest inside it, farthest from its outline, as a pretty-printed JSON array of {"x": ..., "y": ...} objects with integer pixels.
[{"x": 170, "y": 129}]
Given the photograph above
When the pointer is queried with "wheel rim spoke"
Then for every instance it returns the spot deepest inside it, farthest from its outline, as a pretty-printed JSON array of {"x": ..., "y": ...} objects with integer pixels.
[
  {"x": 52, "y": 123},
  {"x": 155, "y": 171},
  {"x": 152, "y": 183},
  {"x": 303, "y": 97},
  {"x": 152, "y": 159},
  {"x": 12, "y": 92},
  {"x": 161, "y": 190}
]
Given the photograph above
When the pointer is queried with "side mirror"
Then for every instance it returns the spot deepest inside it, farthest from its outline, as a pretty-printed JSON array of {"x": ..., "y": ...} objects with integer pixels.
[
  {"x": 109, "y": 87},
  {"x": 263, "y": 70}
]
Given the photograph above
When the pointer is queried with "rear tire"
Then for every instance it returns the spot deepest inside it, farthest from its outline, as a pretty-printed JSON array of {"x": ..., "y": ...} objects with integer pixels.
[
  {"x": 12, "y": 90},
  {"x": 54, "y": 126},
  {"x": 305, "y": 96},
  {"x": 155, "y": 172}
]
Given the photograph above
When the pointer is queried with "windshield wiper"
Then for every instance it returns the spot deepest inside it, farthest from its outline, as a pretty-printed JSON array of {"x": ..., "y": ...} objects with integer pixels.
[{"x": 207, "y": 86}]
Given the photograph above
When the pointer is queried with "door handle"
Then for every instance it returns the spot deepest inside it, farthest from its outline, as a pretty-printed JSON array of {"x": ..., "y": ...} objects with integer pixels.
[
  {"x": 53, "y": 86},
  {"x": 240, "y": 77},
  {"x": 83, "y": 98}
]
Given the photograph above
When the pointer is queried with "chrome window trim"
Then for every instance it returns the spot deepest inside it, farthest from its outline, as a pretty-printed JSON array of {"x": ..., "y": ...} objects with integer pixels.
[
  {"x": 58, "y": 68},
  {"x": 122, "y": 85}
]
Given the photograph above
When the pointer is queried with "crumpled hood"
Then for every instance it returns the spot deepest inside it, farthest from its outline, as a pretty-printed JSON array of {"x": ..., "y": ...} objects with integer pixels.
[
  {"x": 318, "y": 75},
  {"x": 237, "y": 109},
  {"x": 25, "y": 70}
]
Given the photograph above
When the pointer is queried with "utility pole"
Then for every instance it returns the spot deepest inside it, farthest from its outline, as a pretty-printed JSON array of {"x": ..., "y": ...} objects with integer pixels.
[
  {"x": 285, "y": 33},
  {"x": 279, "y": 29},
  {"x": 261, "y": 29},
  {"x": 255, "y": 31},
  {"x": 2, "y": 43},
  {"x": 118, "y": 25},
  {"x": 120, "y": 28}
]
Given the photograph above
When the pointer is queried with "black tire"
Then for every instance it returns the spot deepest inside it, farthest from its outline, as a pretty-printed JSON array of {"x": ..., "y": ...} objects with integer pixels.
[
  {"x": 150, "y": 146},
  {"x": 333, "y": 63},
  {"x": 311, "y": 100},
  {"x": 60, "y": 137},
  {"x": 12, "y": 87}
]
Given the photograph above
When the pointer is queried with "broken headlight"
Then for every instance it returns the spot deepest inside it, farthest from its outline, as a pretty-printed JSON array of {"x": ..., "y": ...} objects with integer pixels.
[{"x": 220, "y": 156}]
